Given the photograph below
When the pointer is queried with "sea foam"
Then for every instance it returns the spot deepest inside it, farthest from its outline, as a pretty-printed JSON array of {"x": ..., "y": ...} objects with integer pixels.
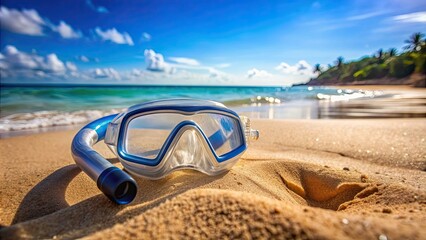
[{"x": 41, "y": 119}]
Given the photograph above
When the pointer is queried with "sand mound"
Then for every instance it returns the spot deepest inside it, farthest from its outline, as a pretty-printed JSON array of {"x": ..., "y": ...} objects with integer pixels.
[{"x": 217, "y": 214}]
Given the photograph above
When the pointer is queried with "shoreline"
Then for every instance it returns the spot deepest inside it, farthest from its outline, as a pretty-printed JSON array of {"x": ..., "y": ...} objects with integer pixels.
[
  {"x": 372, "y": 101},
  {"x": 334, "y": 173}
]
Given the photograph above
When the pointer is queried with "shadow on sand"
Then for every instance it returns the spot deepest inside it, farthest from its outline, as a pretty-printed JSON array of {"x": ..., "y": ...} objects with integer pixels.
[
  {"x": 47, "y": 196},
  {"x": 45, "y": 203}
]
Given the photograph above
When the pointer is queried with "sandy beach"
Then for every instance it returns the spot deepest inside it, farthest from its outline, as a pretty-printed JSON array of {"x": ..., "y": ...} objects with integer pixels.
[
  {"x": 305, "y": 179},
  {"x": 335, "y": 92}
]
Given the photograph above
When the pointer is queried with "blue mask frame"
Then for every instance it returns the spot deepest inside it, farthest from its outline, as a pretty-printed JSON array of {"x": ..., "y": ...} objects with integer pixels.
[{"x": 215, "y": 139}]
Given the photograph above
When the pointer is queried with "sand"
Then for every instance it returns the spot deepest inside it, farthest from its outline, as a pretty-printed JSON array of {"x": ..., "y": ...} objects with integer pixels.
[{"x": 310, "y": 179}]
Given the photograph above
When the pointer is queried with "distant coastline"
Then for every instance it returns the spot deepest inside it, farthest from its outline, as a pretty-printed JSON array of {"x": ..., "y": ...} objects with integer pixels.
[
  {"x": 414, "y": 80},
  {"x": 390, "y": 67}
]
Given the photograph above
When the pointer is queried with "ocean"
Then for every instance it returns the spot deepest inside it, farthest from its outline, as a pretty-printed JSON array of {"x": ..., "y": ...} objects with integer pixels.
[{"x": 35, "y": 106}]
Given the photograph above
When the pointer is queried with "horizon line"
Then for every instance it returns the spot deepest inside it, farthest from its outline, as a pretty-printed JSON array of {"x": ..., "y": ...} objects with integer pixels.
[{"x": 8, "y": 84}]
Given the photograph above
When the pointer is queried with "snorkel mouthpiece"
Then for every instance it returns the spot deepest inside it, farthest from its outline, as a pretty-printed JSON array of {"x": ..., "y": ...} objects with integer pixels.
[{"x": 117, "y": 185}]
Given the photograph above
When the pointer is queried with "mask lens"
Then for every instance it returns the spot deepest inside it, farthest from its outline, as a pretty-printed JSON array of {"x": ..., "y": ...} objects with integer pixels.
[
  {"x": 147, "y": 134},
  {"x": 223, "y": 132}
]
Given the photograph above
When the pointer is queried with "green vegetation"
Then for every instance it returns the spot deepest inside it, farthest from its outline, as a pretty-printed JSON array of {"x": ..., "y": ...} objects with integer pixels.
[{"x": 390, "y": 64}]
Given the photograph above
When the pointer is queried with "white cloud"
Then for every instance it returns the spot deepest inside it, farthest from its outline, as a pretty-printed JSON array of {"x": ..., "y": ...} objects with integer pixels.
[
  {"x": 214, "y": 73},
  {"x": 146, "y": 37},
  {"x": 66, "y": 31},
  {"x": 3, "y": 64},
  {"x": 254, "y": 72},
  {"x": 187, "y": 67},
  {"x": 415, "y": 17},
  {"x": 185, "y": 61},
  {"x": 155, "y": 62},
  {"x": 26, "y": 22},
  {"x": 136, "y": 72},
  {"x": 71, "y": 66},
  {"x": 114, "y": 36},
  {"x": 14, "y": 59},
  {"x": 19, "y": 66},
  {"x": 53, "y": 63},
  {"x": 83, "y": 58},
  {"x": 180, "y": 76},
  {"x": 99, "y": 9},
  {"x": 300, "y": 68},
  {"x": 366, "y": 15},
  {"x": 29, "y": 22},
  {"x": 17, "y": 63},
  {"x": 182, "y": 66},
  {"x": 106, "y": 73},
  {"x": 223, "y": 65}
]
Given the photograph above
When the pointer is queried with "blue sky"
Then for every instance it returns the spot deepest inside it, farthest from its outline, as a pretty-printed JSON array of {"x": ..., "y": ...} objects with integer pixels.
[{"x": 194, "y": 42}]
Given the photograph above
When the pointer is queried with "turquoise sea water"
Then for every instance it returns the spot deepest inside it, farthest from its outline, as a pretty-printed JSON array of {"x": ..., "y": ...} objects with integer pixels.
[
  {"x": 15, "y": 99},
  {"x": 40, "y": 106}
]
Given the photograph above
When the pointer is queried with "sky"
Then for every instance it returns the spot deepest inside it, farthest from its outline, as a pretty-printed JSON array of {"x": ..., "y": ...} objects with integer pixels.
[{"x": 263, "y": 43}]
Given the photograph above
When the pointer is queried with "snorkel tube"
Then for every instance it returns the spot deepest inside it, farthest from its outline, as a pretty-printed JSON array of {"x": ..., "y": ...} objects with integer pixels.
[{"x": 112, "y": 181}]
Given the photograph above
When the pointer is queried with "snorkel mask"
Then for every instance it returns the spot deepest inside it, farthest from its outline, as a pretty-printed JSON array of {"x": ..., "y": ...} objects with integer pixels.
[{"x": 155, "y": 138}]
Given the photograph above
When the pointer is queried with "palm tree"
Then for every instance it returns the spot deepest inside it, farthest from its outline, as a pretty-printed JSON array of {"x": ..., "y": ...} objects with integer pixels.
[
  {"x": 392, "y": 52},
  {"x": 339, "y": 62},
  {"x": 380, "y": 53},
  {"x": 317, "y": 68},
  {"x": 414, "y": 43}
]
